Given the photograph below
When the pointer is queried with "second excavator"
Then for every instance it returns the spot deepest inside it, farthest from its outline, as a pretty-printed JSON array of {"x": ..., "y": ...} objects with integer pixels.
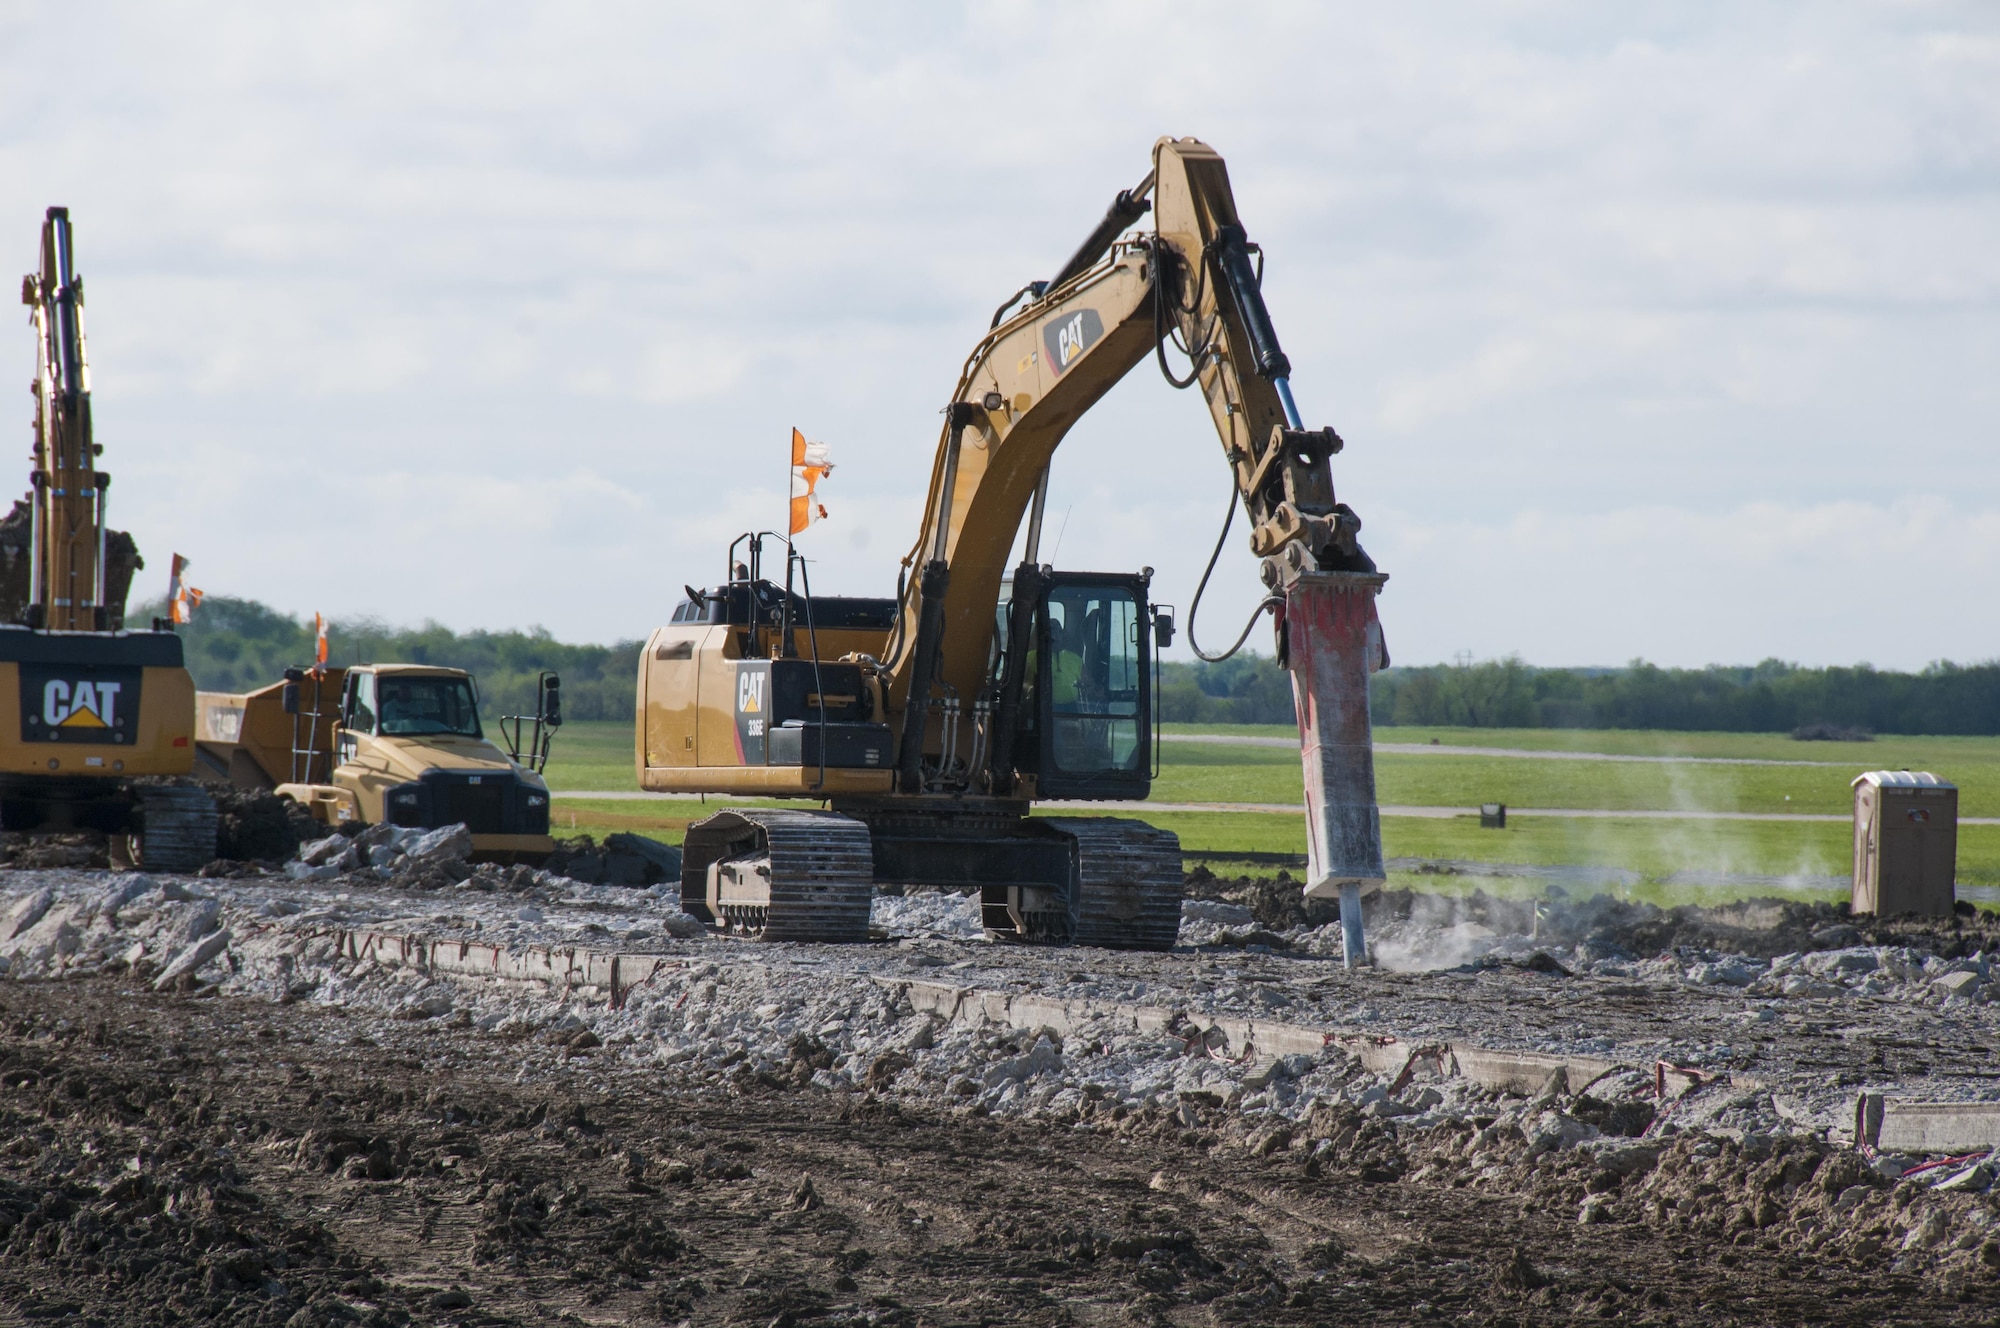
[
  {"x": 928, "y": 724},
  {"x": 102, "y": 731}
]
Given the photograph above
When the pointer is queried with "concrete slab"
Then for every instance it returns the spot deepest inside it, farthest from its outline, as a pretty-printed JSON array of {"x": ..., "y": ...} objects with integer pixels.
[
  {"x": 1524, "y": 1072},
  {"x": 1891, "y": 1124},
  {"x": 1897, "y": 1125},
  {"x": 610, "y": 976}
]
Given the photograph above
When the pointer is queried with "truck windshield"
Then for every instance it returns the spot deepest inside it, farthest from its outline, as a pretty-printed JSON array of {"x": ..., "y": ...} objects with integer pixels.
[{"x": 423, "y": 706}]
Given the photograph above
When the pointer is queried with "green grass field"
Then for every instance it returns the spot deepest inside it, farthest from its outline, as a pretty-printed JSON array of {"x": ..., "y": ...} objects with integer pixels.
[
  {"x": 1202, "y": 772},
  {"x": 597, "y": 757},
  {"x": 593, "y": 756}
]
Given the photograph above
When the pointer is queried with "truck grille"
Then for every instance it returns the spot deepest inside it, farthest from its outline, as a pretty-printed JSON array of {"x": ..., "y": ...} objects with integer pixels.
[
  {"x": 497, "y": 805},
  {"x": 482, "y": 806}
]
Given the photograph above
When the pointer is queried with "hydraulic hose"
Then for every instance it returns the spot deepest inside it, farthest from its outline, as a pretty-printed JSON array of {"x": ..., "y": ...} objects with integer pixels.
[{"x": 1269, "y": 601}]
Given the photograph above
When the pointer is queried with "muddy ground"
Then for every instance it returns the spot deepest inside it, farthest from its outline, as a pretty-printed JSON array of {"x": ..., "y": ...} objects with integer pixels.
[{"x": 182, "y": 1159}]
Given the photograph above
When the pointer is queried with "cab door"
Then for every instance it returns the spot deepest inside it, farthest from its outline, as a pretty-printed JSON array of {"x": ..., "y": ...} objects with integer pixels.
[
  {"x": 357, "y": 716},
  {"x": 1092, "y": 688}
]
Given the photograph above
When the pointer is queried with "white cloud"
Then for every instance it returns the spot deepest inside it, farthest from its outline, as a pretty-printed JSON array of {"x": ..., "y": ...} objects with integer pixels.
[{"x": 514, "y": 307}]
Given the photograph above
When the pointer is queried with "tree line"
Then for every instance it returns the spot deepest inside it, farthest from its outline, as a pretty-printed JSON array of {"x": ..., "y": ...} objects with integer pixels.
[
  {"x": 1771, "y": 697},
  {"x": 239, "y": 645}
]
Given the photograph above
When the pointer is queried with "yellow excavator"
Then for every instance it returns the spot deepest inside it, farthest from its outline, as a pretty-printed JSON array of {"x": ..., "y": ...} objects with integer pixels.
[
  {"x": 929, "y": 724},
  {"x": 95, "y": 707}
]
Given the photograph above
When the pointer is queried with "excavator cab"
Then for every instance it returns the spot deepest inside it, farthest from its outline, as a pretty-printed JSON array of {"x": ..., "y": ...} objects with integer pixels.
[{"x": 1085, "y": 720}]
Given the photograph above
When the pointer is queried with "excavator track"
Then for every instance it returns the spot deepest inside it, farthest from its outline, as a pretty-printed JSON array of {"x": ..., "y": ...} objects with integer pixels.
[
  {"x": 816, "y": 867},
  {"x": 1129, "y": 882},
  {"x": 179, "y": 828}
]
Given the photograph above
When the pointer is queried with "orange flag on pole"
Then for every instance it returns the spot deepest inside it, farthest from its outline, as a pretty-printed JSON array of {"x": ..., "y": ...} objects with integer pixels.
[
  {"x": 182, "y": 598},
  {"x": 319, "y": 643},
  {"x": 809, "y": 467}
]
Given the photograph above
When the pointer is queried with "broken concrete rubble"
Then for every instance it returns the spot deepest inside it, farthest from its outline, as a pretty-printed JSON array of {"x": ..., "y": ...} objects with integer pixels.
[
  {"x": 1556, "y": 1095},
  {"x": 382, "y": 848},
  {"x": 409, "y": 858}
]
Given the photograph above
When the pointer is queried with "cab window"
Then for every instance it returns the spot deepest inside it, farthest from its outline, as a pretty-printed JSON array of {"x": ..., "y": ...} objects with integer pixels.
[
  {"x": 1093, "y": 676},
  {"x": 423, "y": 707}
]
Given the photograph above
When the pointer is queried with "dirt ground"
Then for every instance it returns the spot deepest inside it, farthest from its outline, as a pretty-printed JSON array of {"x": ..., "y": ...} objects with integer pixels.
[{"x": 167, "y": 1159}]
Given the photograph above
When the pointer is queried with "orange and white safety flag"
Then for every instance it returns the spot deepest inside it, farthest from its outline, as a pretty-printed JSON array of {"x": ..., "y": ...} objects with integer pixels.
[
  {"x": 319, "y": 643},
  {"x": 182, "y": 598},
  {"x": 809, "y": 467}
]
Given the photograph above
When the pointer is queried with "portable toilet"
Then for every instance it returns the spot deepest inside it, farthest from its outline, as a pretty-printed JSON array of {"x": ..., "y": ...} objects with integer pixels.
[{"x": 1905, "y": 843}]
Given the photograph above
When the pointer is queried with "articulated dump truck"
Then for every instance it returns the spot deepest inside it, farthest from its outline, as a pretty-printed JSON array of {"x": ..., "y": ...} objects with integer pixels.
[{"x": 395, "y": 743}]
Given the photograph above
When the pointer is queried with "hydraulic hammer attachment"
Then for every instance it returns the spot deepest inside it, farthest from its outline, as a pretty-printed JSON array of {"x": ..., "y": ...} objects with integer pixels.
[
  {"x": 1328, "y": 635},
  {"x": 1331, "y": 641}
]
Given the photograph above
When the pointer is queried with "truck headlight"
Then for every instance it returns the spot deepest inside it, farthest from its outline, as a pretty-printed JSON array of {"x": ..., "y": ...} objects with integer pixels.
[
  {"x": 538, "y": 799},
  {"x": 403, "y": 798}
]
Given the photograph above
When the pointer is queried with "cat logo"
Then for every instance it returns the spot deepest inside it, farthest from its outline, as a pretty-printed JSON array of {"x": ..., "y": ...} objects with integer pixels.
[
  {"x": 753, "y": 700},
  {"x": 83, "y": 705},
  {"x": 1068, "y": 338},
  {"x": 58, "y": 705}
]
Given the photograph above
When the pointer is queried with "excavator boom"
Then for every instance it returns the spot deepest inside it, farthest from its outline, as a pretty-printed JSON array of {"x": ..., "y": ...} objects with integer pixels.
[{"x": 66, "y": 548}]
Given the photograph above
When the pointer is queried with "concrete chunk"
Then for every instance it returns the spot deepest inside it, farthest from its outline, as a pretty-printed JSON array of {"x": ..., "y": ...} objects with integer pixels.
[
  {"x": 1956, "y": 984},
  {"x": 121, "y": 894},
  {"x": 1728, "y": 972},
  {"x": 320, "y": 851},
  {"x": 201, "y": 920},
  {"x": 442, "y": 844},
  {"x": 1975, "y": 1179},
  {"x": 1630, "y": 1159},
  {"x": 27, "y": 913},
  {"x": 1262, "y": 1072},
  {"x": 191, "y": 959}
]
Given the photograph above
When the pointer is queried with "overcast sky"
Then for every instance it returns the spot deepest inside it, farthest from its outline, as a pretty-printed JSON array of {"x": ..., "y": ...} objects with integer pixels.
[{"x": 1654, "y": 330}]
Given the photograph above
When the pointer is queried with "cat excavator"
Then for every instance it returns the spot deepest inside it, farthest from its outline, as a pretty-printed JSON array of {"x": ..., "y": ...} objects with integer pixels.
[
  {"x": 929, "y": 724},
  {"x": 88, "y": 709}
]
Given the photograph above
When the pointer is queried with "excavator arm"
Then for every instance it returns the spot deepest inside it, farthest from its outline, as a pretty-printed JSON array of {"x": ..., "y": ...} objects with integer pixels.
[
  {"x": 67, "y": 540},
  {"x": 1027, "y": 383}
]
